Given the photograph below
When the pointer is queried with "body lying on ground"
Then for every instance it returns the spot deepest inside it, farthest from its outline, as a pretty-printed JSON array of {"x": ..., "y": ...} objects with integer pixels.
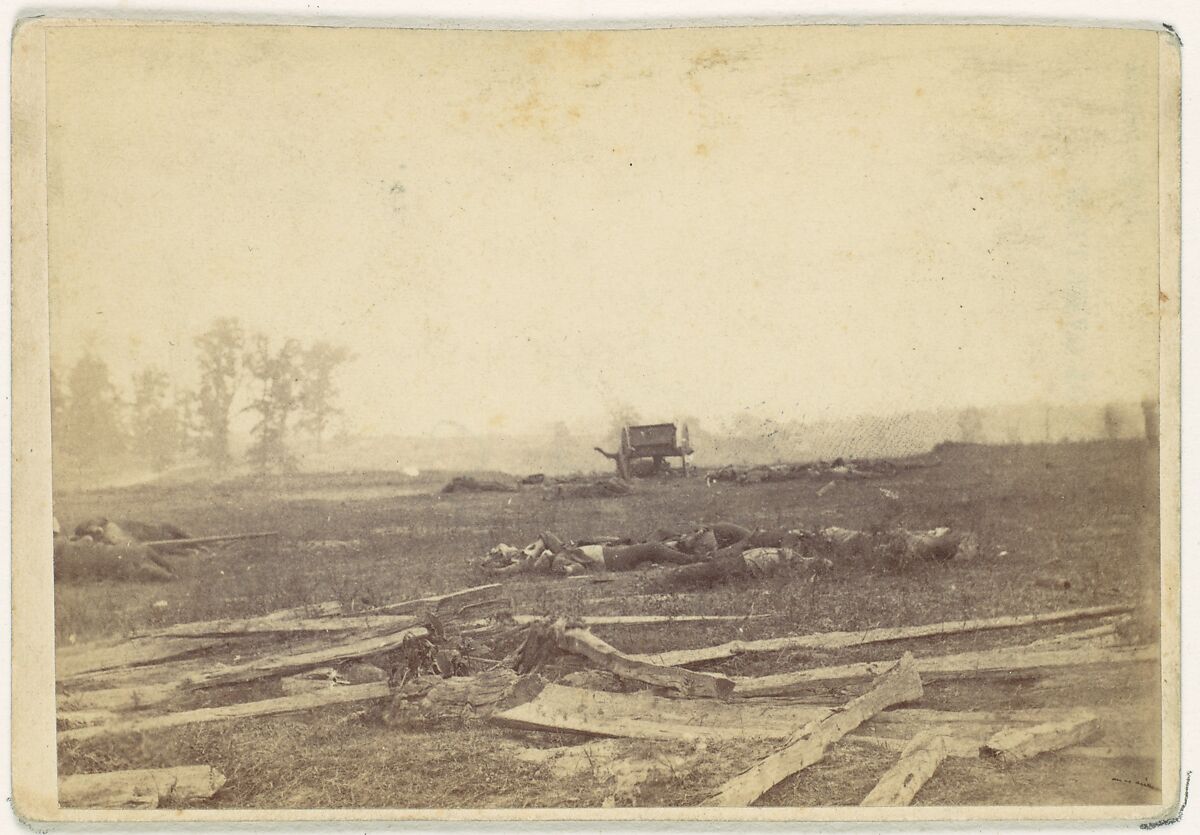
[
  {"x": 127, "y": 532},
  {"x": 753, "y": 563},
  {"x": 107, "y": 549},
  {"x": 469, "y": 484},
  {"x": 704, "y": 540},
  {"x": 599, "y": 489},
  {"x": 549, "y": 555},
  {"x": 838, "y": 468},
  {"x": 627, "y": 557},
  {"x": 767, "y": 552}
]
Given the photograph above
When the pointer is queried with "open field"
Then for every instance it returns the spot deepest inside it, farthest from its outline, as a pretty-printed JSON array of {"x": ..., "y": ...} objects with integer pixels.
[{"x": 1085, "y": 513}]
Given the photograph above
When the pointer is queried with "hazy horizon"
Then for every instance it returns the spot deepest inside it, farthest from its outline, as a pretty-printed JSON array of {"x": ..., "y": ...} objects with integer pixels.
[
  {"x": 561, "y": 449},
  {"x": 802, "y": 225},
  {"x": 602, "y": 424}
]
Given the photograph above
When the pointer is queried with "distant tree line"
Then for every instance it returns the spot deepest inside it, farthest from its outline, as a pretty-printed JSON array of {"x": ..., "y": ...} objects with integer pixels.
[
  {"x": 1116, "y": 420},
  {"x": 285, "y": 388}
]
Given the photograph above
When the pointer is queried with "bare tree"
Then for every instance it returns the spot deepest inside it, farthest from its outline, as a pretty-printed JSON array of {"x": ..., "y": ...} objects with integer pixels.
[
  {"x": 1112, "y": 421},
  {"x": 318, "y": 394},
  {"x": 90, "y": 423},
  {"x": 276, "y": 378},
  {"x": 155, "y": 421},
  {"x": 220, "y": 350}
]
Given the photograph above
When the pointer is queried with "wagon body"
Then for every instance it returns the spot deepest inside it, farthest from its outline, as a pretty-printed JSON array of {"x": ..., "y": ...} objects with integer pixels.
[{"x": 654, "y": 440}]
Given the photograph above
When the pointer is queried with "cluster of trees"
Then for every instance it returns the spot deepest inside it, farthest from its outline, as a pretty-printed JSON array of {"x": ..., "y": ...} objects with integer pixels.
[
  {"x": 1046, "y": 423},
  {"x": 289, "y": 387}
]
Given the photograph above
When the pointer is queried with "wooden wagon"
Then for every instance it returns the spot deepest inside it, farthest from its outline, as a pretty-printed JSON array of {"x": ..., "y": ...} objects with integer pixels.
[{"x": 657, "y": 441}]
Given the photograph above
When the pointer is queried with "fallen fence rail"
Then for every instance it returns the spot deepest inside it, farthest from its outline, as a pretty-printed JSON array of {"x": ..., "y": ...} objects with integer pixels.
[{"x": 841, "y": 640}]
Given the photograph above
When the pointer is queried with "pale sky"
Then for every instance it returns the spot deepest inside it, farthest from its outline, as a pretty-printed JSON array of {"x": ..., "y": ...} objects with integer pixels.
[{"x": 514, "y": 228}]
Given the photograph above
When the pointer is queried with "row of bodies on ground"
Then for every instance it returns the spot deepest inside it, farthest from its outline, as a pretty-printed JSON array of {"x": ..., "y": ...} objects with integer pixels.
[
  {"x": 726, "y": 550},
  {"x": 465, "y": 657},
  {"x": 592, "y": 486},
  {"x": 129, "y": 549},
  {"x": 102, "y": 548}
]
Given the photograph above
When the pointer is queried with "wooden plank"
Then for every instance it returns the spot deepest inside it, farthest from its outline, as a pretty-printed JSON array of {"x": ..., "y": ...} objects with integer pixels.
[
  {"x": 173, "y": 672},
  {"x": 976, "y": 729},
  {"x": 75, "y": 661},
  {"x": 841, "y": 640},
  {"x": 294, "y": 658},
  {"x": 294, "y": 661},
  {"x": 479, "y": 693},
  {"x": 204, "y": 672},
  {"x": 969, "y": 749},
  {"x": 644, "y": 716},
  {"x": 808, "y": 745},
  {"x": 307, "y": 612},
  {"x": 964, "y": 736},
  {"x": 1008, "y": 660},
  {"x": 640, "y": 620},
  {"x": 924, "y": 716},
  {"x": 1104, "y": 635},
  {"x": 442, "y": 604},
  {"x": 917, "y": 764},
  {"x": 152, "y": 649},
  {"x": 329, "y": 617},
  {"x": 1015, "y": 744},
  {"x": 273, "y": 624},
  {"x": 265, "y": 707},
  {"x": 139, "y": 789},
  {"x": 584, "y": 643}
]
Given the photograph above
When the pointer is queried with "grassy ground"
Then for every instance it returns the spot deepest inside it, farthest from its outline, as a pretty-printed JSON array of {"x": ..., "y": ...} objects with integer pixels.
[{"x": 1086, "y": 513}]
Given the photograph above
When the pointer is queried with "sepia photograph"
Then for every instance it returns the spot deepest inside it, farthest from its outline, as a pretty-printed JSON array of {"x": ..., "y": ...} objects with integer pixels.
[{"x": 738, "y": 422}]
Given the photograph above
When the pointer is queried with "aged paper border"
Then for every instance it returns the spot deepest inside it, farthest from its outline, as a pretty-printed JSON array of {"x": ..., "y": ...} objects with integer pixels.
[{"x": 33, "y": 731}]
